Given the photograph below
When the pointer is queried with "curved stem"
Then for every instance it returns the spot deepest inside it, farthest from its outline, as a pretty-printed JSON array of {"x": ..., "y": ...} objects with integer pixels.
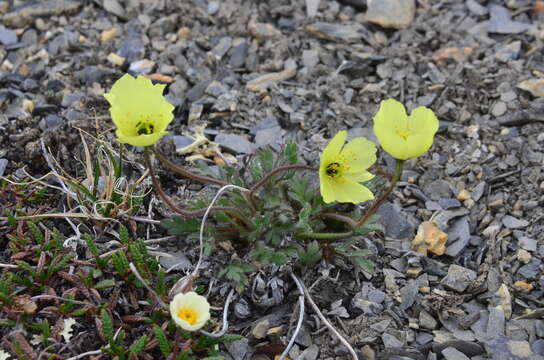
[
  {"x": 180, "y": 211},
  {"x": 379, "y": 201},
  {"x": 225, "y": 325},
  {"x": 276, "y": 171},
  {"x": 345, "y": 219},
  {"x": 186, "y": 173},
  {"x": 323, "y": 236}
]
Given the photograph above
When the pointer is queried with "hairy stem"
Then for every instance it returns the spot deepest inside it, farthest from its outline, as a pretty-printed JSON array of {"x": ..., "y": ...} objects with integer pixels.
[
  {"x": 174, "y": 207},
  {"x": 271, "y": 174},
  {"x": 323, "y": 236},
  {"x": 345, "y": 219},
  {"x": 379, "y": 201},
  {"x": 186, "y": 173}
]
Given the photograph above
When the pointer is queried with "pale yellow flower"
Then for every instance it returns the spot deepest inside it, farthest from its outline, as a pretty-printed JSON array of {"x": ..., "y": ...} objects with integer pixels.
[
  {"x": 190, "y": 310},
  {"x": 139, "y": 110},
  {"x": 342, "y": 168},
  {"x": 402, "y": 136}
]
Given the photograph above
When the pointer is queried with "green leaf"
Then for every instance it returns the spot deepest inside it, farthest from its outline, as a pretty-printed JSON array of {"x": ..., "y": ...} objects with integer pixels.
[
  {"x": 180, "y": 226},
  {"x": 23, "y": 265},
  {"x": 364, "y": 264},
  {"x": 138, "y": 345},
  {"x": 206, "y": 341},
  {"x": 268, "y": 255},
  {"x": 107, "y": 325},
  {"x": 96, "y": 174},
  {"x": 290, "y": 152},
  {"x": 236, "y": 274},
  {"x": 36, "y": 232},
  {"x": 104, "y": 284},
  {"x": 164, "y": 345},
  {"x": 373, "y": 224},
  {"x": 356, "y": 257},
  {"x": 79, "y": 312},
  {"x": 54, "y": 268},
  {"x": 120, "y": 262},
  {"x": 124, "y": 236},
  {"x": 311, "y": 255},
  {"x": 91, "y": 245}
]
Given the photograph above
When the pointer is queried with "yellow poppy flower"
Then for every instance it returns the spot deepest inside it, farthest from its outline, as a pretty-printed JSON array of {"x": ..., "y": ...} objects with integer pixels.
[
  {"x": 139, "y": 110},
  {"x": 403, "y": 136},
  {"x": 342, "y": 168},
  {"x": 190, "y": 310}
]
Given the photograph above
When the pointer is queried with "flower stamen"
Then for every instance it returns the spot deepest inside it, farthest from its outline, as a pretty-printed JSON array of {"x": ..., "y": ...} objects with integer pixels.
[
  {"x": 187, "y": 314},
  {"x": 333, "y": 169},
  {"x": 145, "y": 127}
]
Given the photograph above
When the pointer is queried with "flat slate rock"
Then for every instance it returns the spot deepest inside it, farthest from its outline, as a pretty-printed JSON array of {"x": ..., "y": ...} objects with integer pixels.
[
  {"x": 336, "y": 32},
  {"x": 235, "y": 143},
  {"x": 502, "y": 348},
  {"x": 500, "y": 22},
  {"x": 25, "y": 14},
  {"x": 396, "y": 14},
  {"x": 458, "y": 278}
]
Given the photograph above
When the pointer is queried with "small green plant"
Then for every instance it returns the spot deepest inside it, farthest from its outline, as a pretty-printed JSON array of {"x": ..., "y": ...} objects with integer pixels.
[{"x": 281, "y": 219}]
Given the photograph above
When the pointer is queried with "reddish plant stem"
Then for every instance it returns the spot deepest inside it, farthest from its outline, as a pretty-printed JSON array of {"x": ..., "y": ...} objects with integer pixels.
[
  {"x": 186, "y": 173},
  {"x": 379, "y": 201},
  {"x": 174, "y": 207}
]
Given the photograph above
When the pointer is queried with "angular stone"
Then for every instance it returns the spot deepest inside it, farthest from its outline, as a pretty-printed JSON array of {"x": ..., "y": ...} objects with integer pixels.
[
  {"x": 3, "y": 166},
  {"x": 260, "y": 328},
  {"x": 396, "y": 14},
  {"x": 395, "y": 221},
  {"x": 7, "y": 36},
  {"x": 496, "y": 323},
  {"x": 499, "y": 109},
  {"x": 438, "y": 189},
  {"x": 310, "y": 353},
  {"x": 528, "y": 243},
  {"x": 470, "y": 349},
  {"x": 262, "y": 82},
  {"x": 458, "y": 237},
  {"x": 235, "y": 143},
  {"x": 500, "y": 22},
  {"x": 337, "y": 32},
  {"x": 476, "y": 8},
  {"x": 458, "y": 278},
  {"x": 509, "y": 52},
  {"x": 389, "y": 341},
  {"x": 27, "y": 13},
  {"x": 426, "y": 321},
  {"x": 513, "y": 223},
  {"x": 238, "y": 349},
  {"x": 451, "y": 353},
  {"x": 534, "y": 86}
]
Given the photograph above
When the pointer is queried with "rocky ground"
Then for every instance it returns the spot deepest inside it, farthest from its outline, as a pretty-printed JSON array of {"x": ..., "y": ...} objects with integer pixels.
[{"x": 259, "y": 72}]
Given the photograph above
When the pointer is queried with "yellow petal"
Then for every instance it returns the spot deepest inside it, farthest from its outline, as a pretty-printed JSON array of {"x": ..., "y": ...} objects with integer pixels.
[
  {"x": 332, "y": 150},
  {"x": 193, "y": 303},
  {"x": 401, "y": 136},
  {"x": 391, "y": 118},
  {"x": 325, "y": 187},
  {"x": 424, "y": 125},
  {"x": 359, "y": 177},
  {"x": 134, "y": 101},
  {"x": 359, "y": 154},
  {"x": 351, "y": 192},
  {"x": 139, "y": 140}
]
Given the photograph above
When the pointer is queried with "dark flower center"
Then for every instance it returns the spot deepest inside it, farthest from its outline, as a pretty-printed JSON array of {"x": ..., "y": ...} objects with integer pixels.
[
  {"x": 333, "y": 169},
  {"x": 144, "y": 127}
]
